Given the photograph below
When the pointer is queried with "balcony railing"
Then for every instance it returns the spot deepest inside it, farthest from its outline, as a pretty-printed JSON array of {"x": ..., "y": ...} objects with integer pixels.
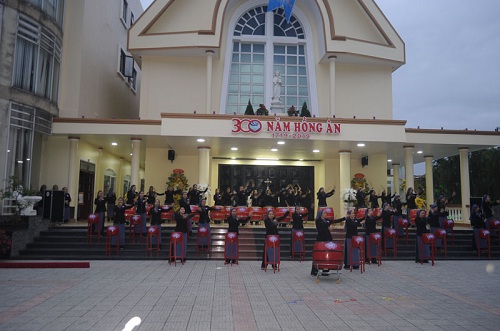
[{"x": 455, "y": 213}]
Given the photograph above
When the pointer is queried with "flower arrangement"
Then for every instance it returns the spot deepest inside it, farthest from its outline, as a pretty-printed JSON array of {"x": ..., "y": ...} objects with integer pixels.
[
  {"x": 402, "y": 186},
  {"x": 179, "y": 183},
  {"x": 359, "y": 181},
  {"x": 348, "y": 195},
  {"x": 292, "y": 111},
  {"x": 420, "y": 203},
  {"x": 262, "y": 110},
  {"x": 5, "y": 243}
]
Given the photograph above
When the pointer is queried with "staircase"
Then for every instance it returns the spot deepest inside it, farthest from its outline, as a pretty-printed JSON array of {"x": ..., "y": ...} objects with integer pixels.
[{"x": 70, "y": 243}]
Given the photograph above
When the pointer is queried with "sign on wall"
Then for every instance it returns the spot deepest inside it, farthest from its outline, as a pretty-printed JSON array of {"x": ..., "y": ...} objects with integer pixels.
[{"x": 285, "y": 129}]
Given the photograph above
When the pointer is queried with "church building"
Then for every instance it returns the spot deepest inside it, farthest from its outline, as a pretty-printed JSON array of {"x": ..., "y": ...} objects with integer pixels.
[{"x": 328, "y": 63}]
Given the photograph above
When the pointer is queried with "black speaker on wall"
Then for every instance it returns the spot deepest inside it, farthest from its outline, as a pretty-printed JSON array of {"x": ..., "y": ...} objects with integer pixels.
[
  {"x": 364, "y": 161},
  {"x": 171, "y": 155}
]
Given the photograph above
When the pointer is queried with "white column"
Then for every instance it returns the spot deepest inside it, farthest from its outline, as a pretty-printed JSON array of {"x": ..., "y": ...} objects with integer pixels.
[
  {"x": 465, "y": 182},
  {"x": 99, "y": 180},
  {"x": 210, "y": 55},
  {"x": 204, "y": 165},
  {"x": 345, "y": 175},
  {"x": 119, "y": 184},
  {"x": 73, "y": 172},
  {"x": 409, "y": 167},
  {"x": 134, "y": 169},
  {"x": 429, "y": 180},
  {"x": 333, "y": 87},
  {"x": 395, "y": 171}
]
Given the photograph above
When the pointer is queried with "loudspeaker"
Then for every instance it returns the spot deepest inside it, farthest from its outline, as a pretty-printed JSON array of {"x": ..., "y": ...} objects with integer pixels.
[
  {"x": 171, "y": 155},
  {"x": 364, "y": 161}
]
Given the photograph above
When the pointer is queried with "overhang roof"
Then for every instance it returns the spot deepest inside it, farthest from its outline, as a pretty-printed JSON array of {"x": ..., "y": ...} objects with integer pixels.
[{"x": 174, "y": 132}]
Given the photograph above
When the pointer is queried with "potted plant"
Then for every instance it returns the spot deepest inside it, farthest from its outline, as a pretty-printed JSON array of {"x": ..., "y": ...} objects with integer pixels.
[
  {"x": 305, "y": 111},
  {"x": 262, "y": 111},
  {"x": 249, "y": 110},
  {"x": 292, "y": 111},
  {"x": 348, "y": 196}
]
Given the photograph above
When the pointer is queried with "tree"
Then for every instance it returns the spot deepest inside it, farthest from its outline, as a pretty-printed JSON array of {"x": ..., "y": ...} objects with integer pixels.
[
  {"x": 249, "y": 110},
  {"x": 484, "y": 169},
  {"x": 304, "y": 111},
  {"x": 483, "y": 174},
  {"x": 446, "y": 172}
]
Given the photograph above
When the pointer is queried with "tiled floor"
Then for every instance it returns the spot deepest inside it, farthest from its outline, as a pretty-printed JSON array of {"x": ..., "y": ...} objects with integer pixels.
[{"x": 207, "y": 295}]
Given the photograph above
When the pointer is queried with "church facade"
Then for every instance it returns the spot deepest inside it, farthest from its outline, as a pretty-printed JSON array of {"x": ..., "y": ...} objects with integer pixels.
[{"x": 204, "y": 63}]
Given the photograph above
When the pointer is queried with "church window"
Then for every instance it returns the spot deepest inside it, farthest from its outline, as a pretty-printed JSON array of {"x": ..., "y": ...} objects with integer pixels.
[{"x": 263, "y": 43}]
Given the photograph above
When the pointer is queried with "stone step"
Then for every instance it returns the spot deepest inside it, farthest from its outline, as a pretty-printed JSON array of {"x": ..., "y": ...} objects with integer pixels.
[{"x": 70, "y": 242}]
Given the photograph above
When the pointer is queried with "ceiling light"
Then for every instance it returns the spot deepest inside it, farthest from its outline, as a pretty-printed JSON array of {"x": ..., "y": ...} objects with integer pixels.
[
  {"x": 361, "y": 145},
  {"x": 389, "y": 160},
  {"x": 315, "y": 150},
  {"x": 266, "y": 159},
  {"x": 301, "y": 159},
  {"x": 233, "y": 158},
  {"x": 28, "y": 159},
  {"x": 20, "y": 161},
  {"x": 114, "y": 144},
  {"x": 234, "y": 148},
  {"x": 131, "y": 154},
  {"x": 281, "y": 142},
  {"x": 419, "y": 152},
  {"x": 200, "y": 140},
  {"x": 274, "y": 150}
]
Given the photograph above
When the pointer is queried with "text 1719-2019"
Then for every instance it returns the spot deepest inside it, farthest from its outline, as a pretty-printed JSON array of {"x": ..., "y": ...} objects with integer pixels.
[{"x": 291, "y": 135}]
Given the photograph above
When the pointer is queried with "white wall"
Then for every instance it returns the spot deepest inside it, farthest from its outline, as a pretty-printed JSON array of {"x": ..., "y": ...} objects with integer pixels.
[{"x": 90, "y": 83}]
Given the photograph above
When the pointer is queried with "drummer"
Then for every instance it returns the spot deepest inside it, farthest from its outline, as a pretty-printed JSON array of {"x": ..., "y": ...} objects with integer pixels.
[
  {"x": 324, "y": 234},
  {"x": 351, "y": 227}
]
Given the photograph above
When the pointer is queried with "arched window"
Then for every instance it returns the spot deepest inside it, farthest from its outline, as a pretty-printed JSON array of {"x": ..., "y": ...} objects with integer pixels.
[
  {"x": 126, "y": 184},
  {"x": 109, "y": 181},
  {"x": 262, "y": 43}
]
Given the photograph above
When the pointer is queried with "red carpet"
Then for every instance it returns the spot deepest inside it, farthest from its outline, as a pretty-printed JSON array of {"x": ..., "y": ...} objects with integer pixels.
[{"x": 38, "y": 264}]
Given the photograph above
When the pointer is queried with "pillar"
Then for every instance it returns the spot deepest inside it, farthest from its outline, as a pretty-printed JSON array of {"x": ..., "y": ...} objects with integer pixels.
[
  {"x": 409, "y": 174},
  {"x": 73, "y": 170},
  {"x": 136, "y": 153},
  {"x": 345, "y": 174},
  {"x": 429, "y": 180},
  {"x": 99, "y": 182},
  {"x": 395, "y": 171},
  {"x": 119, "y": 185},
  {"x": 333, "y": 87},
  {"x": 465, "y": 182},
  {"x": 210, "y": 55},
  {"x": 204, "y": 165}
]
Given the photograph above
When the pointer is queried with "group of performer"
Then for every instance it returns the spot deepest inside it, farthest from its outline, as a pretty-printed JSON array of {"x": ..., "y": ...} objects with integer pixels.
[
  {"x": 249, "y": 195},
  {"x": 392, "y": 210}
]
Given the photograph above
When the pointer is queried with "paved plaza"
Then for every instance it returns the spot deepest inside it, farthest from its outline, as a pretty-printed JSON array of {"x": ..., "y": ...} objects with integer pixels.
[{"x": 207, "y": 295}]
